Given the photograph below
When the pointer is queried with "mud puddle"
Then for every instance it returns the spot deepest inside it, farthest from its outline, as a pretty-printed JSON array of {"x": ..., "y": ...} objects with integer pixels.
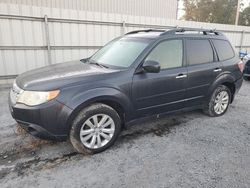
[
  {"x": 158, "y": 128},
  {"x": 25, "y": 159},
  {"x": 35, "y": 163}
]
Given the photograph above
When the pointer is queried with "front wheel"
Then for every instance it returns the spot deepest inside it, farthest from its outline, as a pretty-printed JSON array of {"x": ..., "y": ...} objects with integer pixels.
[
  {"x": 219, "y": 101},
  {"x": 95, "y": 129}
]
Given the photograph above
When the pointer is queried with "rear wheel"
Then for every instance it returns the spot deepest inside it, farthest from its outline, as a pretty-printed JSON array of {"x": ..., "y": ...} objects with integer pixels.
[
  {"x": 219, "y": 101},
  {"x": 95, "y": 129}
]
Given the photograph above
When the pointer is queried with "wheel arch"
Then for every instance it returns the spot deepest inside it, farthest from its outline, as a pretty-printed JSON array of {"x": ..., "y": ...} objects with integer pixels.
[
  {"x": 109, "y": 96},
  {"x": 231, "y": 87},
  {"x": 225, "y": 79}
]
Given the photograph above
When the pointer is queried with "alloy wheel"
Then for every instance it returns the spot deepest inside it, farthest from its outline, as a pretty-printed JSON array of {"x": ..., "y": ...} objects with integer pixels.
[
  {"x": 221, "y": 102},
  {"x": 97, "y": 131}
]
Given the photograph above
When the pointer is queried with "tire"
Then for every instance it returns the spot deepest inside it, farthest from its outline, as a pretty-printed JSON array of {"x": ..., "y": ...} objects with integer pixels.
[
  {"x": 211, "y": 109},
  {"x": 247, "y": 78},
  {"x": 84, "y": 124}
]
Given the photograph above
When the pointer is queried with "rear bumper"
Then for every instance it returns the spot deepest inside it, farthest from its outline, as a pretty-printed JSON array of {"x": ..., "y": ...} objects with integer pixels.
[
  {"x": 238, "y": 84},
  {"x": 46, "y": 121}
]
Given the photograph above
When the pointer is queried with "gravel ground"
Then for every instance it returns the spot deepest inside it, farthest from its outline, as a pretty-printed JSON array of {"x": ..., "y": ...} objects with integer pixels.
[{"x": 186, "y": 150}]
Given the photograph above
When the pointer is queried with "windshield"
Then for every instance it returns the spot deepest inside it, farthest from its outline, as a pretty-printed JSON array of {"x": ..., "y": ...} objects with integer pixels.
[{"x": 120, "y": 53}]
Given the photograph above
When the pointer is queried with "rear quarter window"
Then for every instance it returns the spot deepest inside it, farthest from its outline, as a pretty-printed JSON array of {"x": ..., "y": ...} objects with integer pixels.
[
  {"x": 199, "y": 51},
  {"x": 224, "y": 49}
]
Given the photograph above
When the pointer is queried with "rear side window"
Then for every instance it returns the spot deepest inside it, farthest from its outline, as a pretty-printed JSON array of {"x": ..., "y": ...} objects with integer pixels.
[
  {"x": 199, "y": 51},
  {"x": 224, "y": 49}
]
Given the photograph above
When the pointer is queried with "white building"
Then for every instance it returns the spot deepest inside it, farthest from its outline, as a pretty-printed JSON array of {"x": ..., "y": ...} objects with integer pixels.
[{"x": 152, "y": 8}]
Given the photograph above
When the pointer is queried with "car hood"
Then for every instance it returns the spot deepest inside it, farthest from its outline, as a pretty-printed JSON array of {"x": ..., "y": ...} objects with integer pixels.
[{"x": 59, "y": 75}]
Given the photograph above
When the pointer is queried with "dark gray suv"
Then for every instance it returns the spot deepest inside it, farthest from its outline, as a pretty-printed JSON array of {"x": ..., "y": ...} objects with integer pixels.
[{"x": 146, "y": 73}]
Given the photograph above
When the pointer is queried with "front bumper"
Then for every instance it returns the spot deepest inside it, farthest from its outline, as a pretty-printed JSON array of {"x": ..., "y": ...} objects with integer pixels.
[{"x": 46, "y": 121}]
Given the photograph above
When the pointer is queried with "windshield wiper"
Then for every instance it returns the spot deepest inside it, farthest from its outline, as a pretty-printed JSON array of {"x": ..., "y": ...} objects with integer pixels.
[{"x": 98, "y": 64}]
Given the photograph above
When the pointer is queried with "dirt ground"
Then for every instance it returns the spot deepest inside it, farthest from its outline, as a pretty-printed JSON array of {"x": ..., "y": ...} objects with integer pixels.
[{"x": 185, "y": 150}]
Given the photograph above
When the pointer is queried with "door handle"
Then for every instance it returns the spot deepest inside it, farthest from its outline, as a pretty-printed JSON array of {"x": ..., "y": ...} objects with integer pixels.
[
  {"x": 217, "y": 70},
  {"x": 181, "y": 76}
]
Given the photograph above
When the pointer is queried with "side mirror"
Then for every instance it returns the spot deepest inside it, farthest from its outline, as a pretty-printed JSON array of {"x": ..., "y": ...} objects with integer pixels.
[
  {"x": 84, "y": 60},
  {"x": 151, "y": 66}
]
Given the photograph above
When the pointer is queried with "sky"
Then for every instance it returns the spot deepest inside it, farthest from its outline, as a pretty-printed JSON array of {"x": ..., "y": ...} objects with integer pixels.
[
  {"x": 246, "y": 3},
  {"x": 181, "y": 11}
]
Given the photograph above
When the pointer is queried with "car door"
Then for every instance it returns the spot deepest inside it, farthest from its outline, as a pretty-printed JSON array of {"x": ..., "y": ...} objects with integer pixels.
[
  {"x": 161, "y": 92},
  {"x": 203, "y": 67}
]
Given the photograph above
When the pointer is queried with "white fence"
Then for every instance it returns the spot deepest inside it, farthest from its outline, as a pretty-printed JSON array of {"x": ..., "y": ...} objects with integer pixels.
[{"x": 29, "y": 39}]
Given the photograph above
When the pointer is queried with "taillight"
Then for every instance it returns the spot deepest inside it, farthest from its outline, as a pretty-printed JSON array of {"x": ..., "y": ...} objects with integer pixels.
[{"x": 241, "y": 66}]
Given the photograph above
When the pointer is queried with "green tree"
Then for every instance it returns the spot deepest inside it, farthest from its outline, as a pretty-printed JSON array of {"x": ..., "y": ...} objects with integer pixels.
[
  {"x": 213, "y": 11},
  {"x": 245, "y": 17}
]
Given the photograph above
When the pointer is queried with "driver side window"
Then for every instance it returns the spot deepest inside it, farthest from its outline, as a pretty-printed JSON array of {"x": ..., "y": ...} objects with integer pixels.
[{"x": 168, "y": 53}]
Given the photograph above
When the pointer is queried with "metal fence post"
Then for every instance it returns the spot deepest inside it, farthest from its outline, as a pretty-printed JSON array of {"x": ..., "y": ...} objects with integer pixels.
[
  {"x": 123, "y": 28},
  {"x": 47, "y": 39},
  {"x": 241, "y": 39}
]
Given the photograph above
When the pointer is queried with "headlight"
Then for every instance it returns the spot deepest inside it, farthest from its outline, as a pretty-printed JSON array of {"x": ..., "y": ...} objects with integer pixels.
[{"x": 32, "y": 98}]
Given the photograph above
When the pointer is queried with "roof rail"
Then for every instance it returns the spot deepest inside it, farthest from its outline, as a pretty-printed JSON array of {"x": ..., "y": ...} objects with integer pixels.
[
  {"x": 145, "y": 30},
  {"x": 182, "y": 30}
]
